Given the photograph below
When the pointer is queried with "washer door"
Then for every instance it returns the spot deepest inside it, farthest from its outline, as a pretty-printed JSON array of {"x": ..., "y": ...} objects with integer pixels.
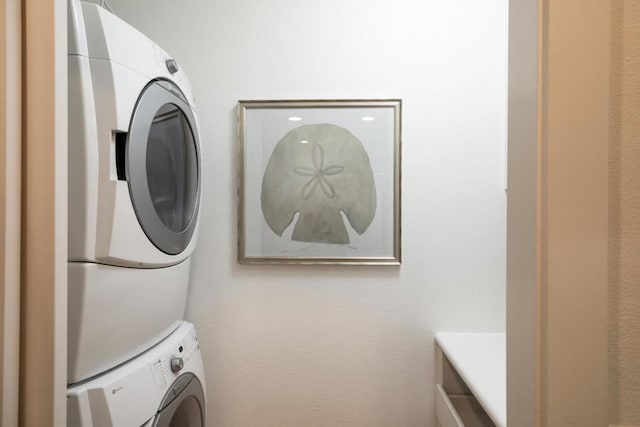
[
  {"x": 183, "y": 404},
  {"x": 162, "y": 166}
]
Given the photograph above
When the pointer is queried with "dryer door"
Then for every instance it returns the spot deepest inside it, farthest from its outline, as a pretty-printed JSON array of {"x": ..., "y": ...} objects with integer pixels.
[
  {"x": 183, "y": 405},
  {"x": 162, "y": 166}
]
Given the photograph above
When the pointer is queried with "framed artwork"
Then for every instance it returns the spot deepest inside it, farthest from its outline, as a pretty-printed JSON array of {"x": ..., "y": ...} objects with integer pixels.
[{"x": 319, "y": 182}]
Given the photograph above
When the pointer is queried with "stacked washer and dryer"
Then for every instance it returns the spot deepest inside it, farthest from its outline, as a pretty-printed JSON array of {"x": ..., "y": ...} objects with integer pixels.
[{"x": 134, "y": 193}]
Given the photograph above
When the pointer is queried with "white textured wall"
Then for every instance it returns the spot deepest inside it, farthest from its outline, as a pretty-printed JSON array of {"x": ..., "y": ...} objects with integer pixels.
[
  {"x": 624, "y": 216},
  {"x": 294, "y": 346}
]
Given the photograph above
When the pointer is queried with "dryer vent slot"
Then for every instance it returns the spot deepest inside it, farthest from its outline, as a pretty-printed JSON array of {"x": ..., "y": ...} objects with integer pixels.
[{"x": 121, "y": 145}]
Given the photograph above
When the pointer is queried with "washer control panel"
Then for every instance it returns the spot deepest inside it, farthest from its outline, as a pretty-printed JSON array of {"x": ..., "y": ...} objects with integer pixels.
[{"x": 169, "y": 365}]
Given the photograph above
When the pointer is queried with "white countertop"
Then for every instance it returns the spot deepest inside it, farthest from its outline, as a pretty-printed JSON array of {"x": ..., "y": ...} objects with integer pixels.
[{"x": 481, "y": 361}]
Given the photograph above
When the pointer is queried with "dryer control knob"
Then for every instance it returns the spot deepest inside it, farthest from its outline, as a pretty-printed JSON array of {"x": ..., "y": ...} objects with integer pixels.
[
  {"x": 177, "y": 364},
  {"x": 172, "y": 65}
]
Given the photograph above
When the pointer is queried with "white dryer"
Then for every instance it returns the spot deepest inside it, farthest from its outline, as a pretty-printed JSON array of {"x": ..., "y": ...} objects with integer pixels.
[
  {"x": 161, "y": 387},
  {"x": 134, "y": 190}
]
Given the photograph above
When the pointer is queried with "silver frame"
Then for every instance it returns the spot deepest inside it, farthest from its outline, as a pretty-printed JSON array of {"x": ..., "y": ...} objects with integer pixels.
[
  {"x": 154, "y": 96},
  {"x": 396, "y": 105}
]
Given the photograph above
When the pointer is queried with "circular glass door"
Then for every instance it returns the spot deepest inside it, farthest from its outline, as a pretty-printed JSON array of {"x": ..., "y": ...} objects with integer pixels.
[
  {"x": 187, "y": 414},
  {"x": 183, "y": 404},
  {"x": 162, "y": 163}
]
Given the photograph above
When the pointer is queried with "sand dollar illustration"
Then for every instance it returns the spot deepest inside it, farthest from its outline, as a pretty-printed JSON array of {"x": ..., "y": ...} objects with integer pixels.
[{"x": 318, "y": 171}]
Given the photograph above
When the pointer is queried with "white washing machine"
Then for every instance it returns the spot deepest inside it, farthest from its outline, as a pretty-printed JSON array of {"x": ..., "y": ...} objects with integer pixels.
[
  {"x": 162, "y": 387},
  {"x": 134, "y": 191}
]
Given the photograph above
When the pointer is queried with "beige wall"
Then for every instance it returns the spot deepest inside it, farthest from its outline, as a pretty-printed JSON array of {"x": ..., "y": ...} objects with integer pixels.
[
  {"x": 33, "y": 217},
  {"x": 573, "y": 212},
  {"x": 557, "y": 213},
  {"x": 624, "y": 212},
  {"x": 44, "y": 232}
]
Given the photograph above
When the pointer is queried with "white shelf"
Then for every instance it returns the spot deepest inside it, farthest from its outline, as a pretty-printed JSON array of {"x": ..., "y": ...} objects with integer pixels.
[{"x": 480, "y": 360}]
